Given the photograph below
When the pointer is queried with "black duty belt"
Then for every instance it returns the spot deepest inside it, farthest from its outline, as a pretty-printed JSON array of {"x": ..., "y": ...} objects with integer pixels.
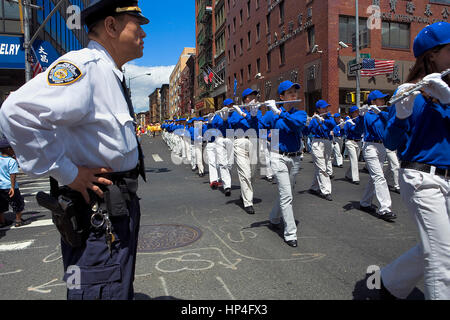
[
  {"x": 425, "y": 168},
  {"x": 375, "y": 141},
  {"x": 291, "y": 154},
  {"x": 116, "y": 176}
]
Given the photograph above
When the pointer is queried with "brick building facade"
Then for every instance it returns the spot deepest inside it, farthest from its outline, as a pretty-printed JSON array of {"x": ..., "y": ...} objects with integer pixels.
[{"x": 271, "y": 41}]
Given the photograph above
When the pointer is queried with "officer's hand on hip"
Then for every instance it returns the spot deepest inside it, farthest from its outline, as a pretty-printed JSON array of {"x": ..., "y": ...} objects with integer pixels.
[{"x": 86, "y": 179}]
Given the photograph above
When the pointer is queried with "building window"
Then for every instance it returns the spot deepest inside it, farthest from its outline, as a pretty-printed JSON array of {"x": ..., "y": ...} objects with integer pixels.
[
  {"x": 268, "y": 23},
  {"x": 234, "y": 24},
  {"x": 229, "y": 31},
  {"x": 249, "y": 68},
  {"x": 282, "y": 55},
  {"x": 234, "y": 51},
  {"x": 347, "y": 30},
  {"x": 242, "y": 76},
  {"x": 311, "y": 38},
  {"x": 248, "y": 9},
  {"x": 395, "y": 35},
  {"x": 258, "y": 65},
  {"x": 258, "y": 32},
  {"x": 269, "y": 61},
  {"x": 249, "y": 38},
  {"x": 241, "y": 50},
  {"x": 281, "y": 6},
  {"x": 240, "y": 16},
  {"x": 257, "y": 4}
]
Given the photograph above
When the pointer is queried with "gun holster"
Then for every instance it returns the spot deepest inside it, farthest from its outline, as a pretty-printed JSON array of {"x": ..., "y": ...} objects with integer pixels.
[{"x": 70, "y": 213}]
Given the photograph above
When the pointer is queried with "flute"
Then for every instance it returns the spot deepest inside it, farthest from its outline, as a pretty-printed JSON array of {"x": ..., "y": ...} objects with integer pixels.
[
  {"x": 259, "y": 104},
  {"x": 400, "y": 96}
]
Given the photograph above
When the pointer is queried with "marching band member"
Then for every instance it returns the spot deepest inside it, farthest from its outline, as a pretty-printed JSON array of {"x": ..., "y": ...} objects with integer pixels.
[
  {"x": 192, "y": 144},
  {"x": 320, "y": 129},
  {"x": 199, "y": 130},
  {"x": 419, "y": 130},
  {"x": 375, "y": 153},
  {"x": 285, "y": 157},
  {"x": 224, "y": 147},
  {"x": 244, "y": 150},
  {"x": 337, "y": 142},
  {"x": 391, "y": 155},
  {"x": 353, "y": 130},
  {"x": 211, "y": 153}
]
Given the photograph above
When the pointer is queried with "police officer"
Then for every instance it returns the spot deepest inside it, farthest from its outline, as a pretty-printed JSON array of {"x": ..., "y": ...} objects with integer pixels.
[
  {"x": 244, "y": 147},
  {"x": 76, "y": 123},
  {"x": 287, "y": 122},
  {"x": 320, "y": 129},
  {"x": 374, "y": 153},
  {"x": 419, "y": 131}
]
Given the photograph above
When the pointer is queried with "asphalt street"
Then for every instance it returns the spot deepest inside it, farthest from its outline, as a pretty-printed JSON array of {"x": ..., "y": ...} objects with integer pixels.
[{"x": 197, "y": 244}]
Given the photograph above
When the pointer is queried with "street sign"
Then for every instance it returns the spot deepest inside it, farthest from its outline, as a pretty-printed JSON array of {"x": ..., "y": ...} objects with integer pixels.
[{"x": 355, "y": 67}]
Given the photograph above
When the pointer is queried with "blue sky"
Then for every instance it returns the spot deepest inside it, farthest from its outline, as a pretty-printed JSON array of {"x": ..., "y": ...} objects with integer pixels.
[{"x": 171, "y": 28}]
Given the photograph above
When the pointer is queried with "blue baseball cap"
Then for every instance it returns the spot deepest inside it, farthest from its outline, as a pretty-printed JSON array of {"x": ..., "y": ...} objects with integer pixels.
[
  {"x": 353, "y": 109},
  {"x": 431, "y": 36},
  {"x": 286, "y": 85},
  {"x": 336, "y": 115},
  {"x": 227, "y": 102},
  {"x": 321, "y": 104},
  {"x": 248, "y": 92},
  {"x": 376, "y": 94}
]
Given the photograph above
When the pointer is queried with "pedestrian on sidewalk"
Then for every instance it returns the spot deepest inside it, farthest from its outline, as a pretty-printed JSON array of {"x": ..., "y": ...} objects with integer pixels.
[{"x": 9, "y": 187}]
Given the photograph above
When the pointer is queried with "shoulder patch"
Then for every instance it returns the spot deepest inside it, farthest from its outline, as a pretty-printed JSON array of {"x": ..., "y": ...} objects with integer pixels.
[{"x": 63, "y": 73}]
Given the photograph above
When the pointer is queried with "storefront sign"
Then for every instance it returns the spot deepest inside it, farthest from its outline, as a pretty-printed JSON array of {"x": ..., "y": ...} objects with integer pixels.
[{"x": 12, "y": 55}]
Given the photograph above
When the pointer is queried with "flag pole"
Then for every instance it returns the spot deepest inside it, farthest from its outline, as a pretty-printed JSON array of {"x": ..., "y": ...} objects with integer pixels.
[{"x": 358, "y": 86}]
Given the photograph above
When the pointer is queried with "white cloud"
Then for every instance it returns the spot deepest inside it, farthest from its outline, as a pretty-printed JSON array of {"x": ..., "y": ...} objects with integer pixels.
[{"x": 142, "y": 86}]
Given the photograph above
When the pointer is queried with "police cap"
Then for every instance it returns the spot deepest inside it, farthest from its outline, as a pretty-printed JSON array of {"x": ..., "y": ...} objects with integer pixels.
[{"x": 100, "y": 9}]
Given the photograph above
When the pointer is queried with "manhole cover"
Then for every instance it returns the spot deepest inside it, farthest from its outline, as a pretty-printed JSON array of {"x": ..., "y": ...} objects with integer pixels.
[{"x": 166, "y": 236}]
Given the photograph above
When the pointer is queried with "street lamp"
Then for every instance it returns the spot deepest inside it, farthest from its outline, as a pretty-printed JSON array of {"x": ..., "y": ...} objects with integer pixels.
[{"x": 131, "y": 78}]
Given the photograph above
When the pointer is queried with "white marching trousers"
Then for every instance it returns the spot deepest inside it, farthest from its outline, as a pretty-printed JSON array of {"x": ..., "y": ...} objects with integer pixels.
[
  {"x": 225, "y": 159},
  {"x": 285, "y": 169},
  {"x": 211, "y": 153},
  {"x": 394, "y": 166},
  {"x": 187, "y": 148},
  {"x": 321, "y": 158},
  {"x": 353, "y": 150},
  {"x": 193, "y": 158},
  {"x": 337, "y": 155},
  {"x": 427, "y": 198},
  {"x": 264, "y": 153},
  {"x": 198, "y": 147},
  {"x": 374, "y": 154},
  {"x": 243, "y": 152}
]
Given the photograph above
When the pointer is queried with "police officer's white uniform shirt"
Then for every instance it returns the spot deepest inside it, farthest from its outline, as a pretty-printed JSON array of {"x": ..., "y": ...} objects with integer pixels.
[{"x": 82, "y": 121}]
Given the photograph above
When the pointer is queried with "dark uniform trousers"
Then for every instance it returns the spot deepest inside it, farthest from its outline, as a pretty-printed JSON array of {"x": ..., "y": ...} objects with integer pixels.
[{"x": 104, "y": 275}]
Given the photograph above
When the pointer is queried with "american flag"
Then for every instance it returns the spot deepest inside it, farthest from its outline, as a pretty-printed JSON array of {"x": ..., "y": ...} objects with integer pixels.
[
  {"x": 372, "y": 67},
  {"x": 36, "y": 65}
]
